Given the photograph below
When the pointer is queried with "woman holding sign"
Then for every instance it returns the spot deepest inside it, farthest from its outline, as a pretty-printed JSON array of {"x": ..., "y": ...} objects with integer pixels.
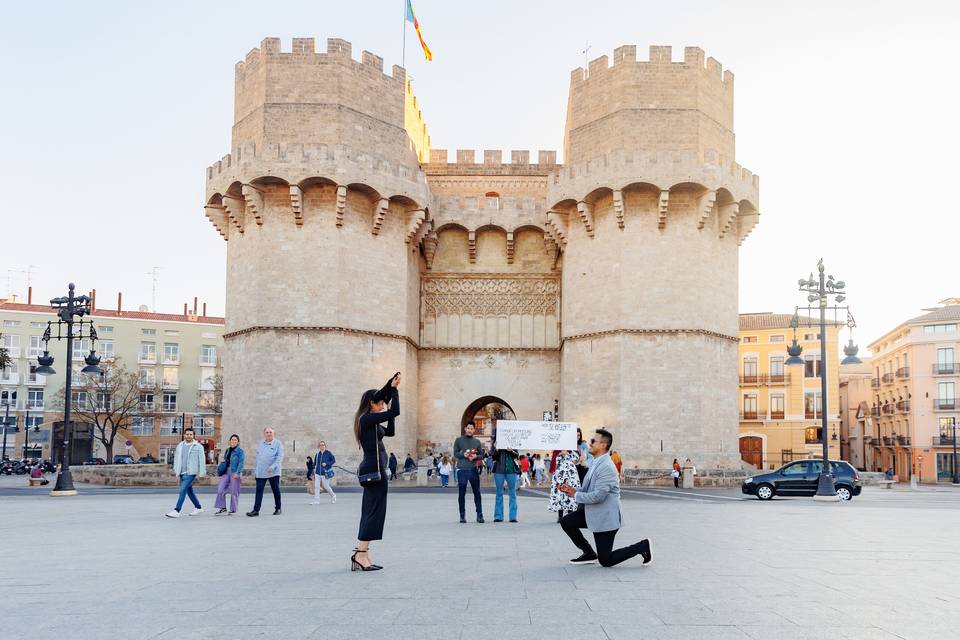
[
  {"x": 566, "y": 473},
  {"x": 375, "y": 408}
]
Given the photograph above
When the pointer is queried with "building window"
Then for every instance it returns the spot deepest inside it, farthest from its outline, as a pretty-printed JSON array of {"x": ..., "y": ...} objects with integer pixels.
[
  {"x": 777, "y": 407},
  {"x": 105, "y": 347},
  {"x": 811, "y": 404},
  {"x": 79, "y": 400},
  {"x": 776, "y": 368},
  {"x": 148, "y": 377},
  {"x": 11, "y": 323},
  {"x": 148, "y": 332},
  {"x": 141, "y": 426},
  {"x": 945, "y": 362},
  {"x": 171, "y": 425},
  {"x": 812, "y": 435},
  {"x": 491, "y": 201},
  {"x": 104, "y": 329},
  {"x": 939, "y": 328},
  {"x": 33, "y": 422},
  {"x": 80, "y": 348},
  {"x": 203, "y": 426},
  {"x": 946, "y": 427},
  {"x": 148, "y": 352},
  {"x": 36, "y": 347},
  {"x": 104, "y": 401},
  {"x": 208, "y": 355},
  {"x": 776, "y": 338},
  {"x": 170, "y": 378},
  {"x": 146, "y": 402},
  {"x": 8, "y": 397},
  {"x": 38, "y": 325},
  {"x": 748, "y": 339},
  {"x": 169, "y": 402},
  {"x": 11, "y": 374},
  {"x": 750, "y": 407},
  {"x": 11, "y": 343},
  {"x": 750, "y": 369},
  {"x": 35, "y": 399},
  {"x": 171, "y": 332},
  {"x": 811, "y": 366},
  {"x": 171, "y": 353}
]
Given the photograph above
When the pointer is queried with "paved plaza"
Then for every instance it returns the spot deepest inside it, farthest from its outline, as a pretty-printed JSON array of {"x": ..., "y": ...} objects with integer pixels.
[{"x": 107, "y": 564}]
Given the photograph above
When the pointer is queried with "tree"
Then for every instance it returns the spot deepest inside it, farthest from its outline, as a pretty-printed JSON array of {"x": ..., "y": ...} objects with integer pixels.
[
  {"x": 210, "y": 397},
  {"x": 108, "y": 401},
  {"x": 5, "y": 360}
]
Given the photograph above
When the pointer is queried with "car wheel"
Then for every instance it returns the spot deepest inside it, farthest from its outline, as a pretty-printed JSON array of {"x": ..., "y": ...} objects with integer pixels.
[
  {"x": 844, "y": 493},
  {"x": 765, "y": 492}
]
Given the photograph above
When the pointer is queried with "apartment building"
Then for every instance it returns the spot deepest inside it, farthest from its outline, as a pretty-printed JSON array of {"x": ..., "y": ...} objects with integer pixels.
[
  {"x": 780, "y": 405},
  {"x": 914, "y": 395},
  {"x": 181, "y": 352},
  {"x": 856, "y": 420}
]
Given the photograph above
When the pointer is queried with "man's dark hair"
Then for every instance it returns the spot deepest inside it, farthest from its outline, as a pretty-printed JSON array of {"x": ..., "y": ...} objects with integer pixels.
[
  {"x": 607, "y": 437},
  {"x": 190, "y": 429}
]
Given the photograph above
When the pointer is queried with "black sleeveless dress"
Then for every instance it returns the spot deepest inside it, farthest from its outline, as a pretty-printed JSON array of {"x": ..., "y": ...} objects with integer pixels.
[{"x": 373, "y": 511}]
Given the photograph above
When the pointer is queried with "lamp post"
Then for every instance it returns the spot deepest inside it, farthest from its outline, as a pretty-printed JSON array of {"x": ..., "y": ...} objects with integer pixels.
[
  {"x": 956, "y": 479},
  {"x": 6, "y": 422},
  {"x": 69, "y": 308},
  {"x": 818, "y": 291}
]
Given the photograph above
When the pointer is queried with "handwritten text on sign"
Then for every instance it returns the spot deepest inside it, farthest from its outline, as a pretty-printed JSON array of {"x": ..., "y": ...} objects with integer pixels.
[{"x": 536, "y": 436}]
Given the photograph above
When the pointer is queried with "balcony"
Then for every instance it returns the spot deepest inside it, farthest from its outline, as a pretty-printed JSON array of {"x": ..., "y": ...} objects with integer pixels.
[
  {"x": 208, "y": 362},
  {"x": 34, "y": 405},
  {"x": 875, "y": 412},
  {"x": 748, "y": 415},
  {"x": 169, "y": 407},
  {"x": 903, "y": 406},
  {"x": 887, "y": 378},
  {"x": 776, "y": 415},
  {"x": 810, "y": 415},
  {"x": 888, "y": 441},
  {"x": 868, "y": 439},
  {"x": 903, "y": 372},
  {"x": 889, "y": 409},
  {"x": 171, "y": 384},
  {"x": 147, "y": 406},
  {"x": 903, "y": 440},
  {"x": 171, "y": 360},
  {"x": 8, "y": 377},
  {"x": 750, "y": 380},
  {"x": 147, "y": 383},
  {"x": 147, "y": 358},
  {"x": 949, "y": 404},
  {"x": 944, "y": 440},
  {"x": 778, "y": 379},
  {"x": 875, "y": 383},
  {"x": 945, "y": 369},
  {"x": 36, "y": 380}
]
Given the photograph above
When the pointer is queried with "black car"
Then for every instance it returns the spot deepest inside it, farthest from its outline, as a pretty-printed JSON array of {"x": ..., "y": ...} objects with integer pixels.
[
  {"x": 123, "y": 459},
  {"x": 147, "y": 459},
  {"x": 94, "y": 461},
  {"x": 800, "y": 479}
]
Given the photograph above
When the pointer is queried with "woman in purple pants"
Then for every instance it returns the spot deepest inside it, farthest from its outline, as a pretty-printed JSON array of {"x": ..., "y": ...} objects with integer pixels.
[{"x": 229, "y": 471}]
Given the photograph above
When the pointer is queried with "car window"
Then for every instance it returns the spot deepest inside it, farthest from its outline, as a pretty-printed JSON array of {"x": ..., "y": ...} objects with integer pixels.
[
  {"x": 839, "y": 468},
  {"x": 796, "y": 469},
  {"x": 816, "y": 466}
]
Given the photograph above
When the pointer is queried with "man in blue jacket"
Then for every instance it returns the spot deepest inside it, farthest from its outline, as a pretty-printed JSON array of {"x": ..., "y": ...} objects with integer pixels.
[
  {"x": 323, "y": 473},
  {"x": 599, "y": 510},
  {"x": 269, "y": 459}
]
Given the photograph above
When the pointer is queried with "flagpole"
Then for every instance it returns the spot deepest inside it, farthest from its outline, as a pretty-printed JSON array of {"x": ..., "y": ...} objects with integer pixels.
[{"x": 403, "y": 56}]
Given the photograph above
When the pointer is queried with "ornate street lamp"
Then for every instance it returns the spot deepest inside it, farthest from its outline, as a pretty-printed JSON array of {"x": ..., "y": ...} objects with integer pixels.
[
  {"x": 818, "y": 291},
  {"x": 68, "y": 308}
]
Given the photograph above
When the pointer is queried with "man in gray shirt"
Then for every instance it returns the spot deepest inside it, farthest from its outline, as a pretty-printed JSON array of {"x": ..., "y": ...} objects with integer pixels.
[{"x": 466, "y": 451}]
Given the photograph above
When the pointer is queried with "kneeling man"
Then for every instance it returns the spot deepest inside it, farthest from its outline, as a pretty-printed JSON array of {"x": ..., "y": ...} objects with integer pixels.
[{"x": 599, "y": 509}]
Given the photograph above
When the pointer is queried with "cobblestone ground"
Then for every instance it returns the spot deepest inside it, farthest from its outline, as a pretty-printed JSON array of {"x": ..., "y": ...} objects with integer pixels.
[{"x": 107, "y": 564}]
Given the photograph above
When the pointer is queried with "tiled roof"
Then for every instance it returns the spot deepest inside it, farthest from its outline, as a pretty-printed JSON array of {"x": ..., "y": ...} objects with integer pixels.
[
  {"x": 760, "y": 321},
  {"x": 112, "y": 313},
  {"x": 950, "y": 312}
]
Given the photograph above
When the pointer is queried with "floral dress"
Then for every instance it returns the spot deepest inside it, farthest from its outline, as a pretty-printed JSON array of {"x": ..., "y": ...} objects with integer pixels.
[{"x": 566, "y": 473}]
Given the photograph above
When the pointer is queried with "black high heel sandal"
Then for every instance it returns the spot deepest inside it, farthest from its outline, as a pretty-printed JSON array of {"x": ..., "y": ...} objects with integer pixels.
[{"x": 356, "y": 566}]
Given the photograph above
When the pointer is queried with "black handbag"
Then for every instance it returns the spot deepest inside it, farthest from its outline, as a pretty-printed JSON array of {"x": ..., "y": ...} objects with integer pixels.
[{"x": 372, "y": 478}]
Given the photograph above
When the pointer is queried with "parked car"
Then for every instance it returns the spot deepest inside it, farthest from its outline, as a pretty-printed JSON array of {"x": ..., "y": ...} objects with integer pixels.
[
  {"x": 800, "y": 479},
  {"x": 90, "y": 461},
  {"x": 147, "y": 459},
  {"x": 123, "y": 459}
]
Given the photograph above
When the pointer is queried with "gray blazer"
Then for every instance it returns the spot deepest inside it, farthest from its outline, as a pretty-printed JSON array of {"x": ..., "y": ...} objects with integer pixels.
[{"x": 600, "y": 495}]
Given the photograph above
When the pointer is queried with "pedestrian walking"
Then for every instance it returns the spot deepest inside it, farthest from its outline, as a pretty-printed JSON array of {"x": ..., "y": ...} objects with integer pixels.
[
  {"x": 392, "y": 465},
  {"x": 376, "y": 407},
  {"x": 409, "y": 466},
  {"x": 538, "y": 469},
  {"x": 506, "y": 466},
  {"x": 323, "y": 473},
  {"x": 310, "y": 466},
  {"x": 524, "y": 471},
  {"x": 445, "y": 470},
  {"x": 676, "y": 473},
  {"x": 189, "y": 462},
  {"x": 565, "y": 474},
  {"x": 230, "y": 470},
  {"x": 268, "y": 469},
  {"x": 599, "y": 510},
  {"x": 618, "y": 463},
  {"x": 467, "y": 451},
  {"x": 583, "y": 463}
]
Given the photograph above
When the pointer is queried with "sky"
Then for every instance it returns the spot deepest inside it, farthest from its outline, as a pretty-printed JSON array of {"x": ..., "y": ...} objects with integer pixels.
[{"x": 846, "y": 110}]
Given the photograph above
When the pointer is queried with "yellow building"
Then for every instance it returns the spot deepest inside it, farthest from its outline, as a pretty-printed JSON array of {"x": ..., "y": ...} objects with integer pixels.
[{"x": 780, "y": 417}]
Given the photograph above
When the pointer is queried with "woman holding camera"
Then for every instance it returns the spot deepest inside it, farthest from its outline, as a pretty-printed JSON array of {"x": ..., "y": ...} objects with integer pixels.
[{"x": 375, "y": 408}]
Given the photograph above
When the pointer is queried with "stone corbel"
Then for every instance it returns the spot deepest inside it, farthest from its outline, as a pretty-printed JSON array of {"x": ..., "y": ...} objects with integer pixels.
[
  {"x": 254, "y": 200},
  {"x": 553, "y": 250},
  {"x": 382, "y": 205},
  {"x": 662, "y": 208},
  {"x": 430, "y": 242},
  {"x": 746, "y": 223},
  {"x": 341, "y": 203},
  {"x": 472, "y": 243},
  {"x": 557, "y": 223},
  {"x": 217, "y": 214},
  {"x": 728, "y": 217},
  {"x": 586, "y": 216},
  {"x": 705, "y": 207},
  {"x": 618, "y": 207},
  {"x": 296, "y": 204},
  {"x": 511, "y": 245},
  {"x": 417, "y": 218},
  {"x": 236, "y": 211}
]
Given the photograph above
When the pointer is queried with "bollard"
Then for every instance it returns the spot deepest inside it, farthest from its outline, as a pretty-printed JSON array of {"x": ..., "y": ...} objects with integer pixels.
[
  {"x": 422, "y": 480},
  {"x": 687, "y": 477}
]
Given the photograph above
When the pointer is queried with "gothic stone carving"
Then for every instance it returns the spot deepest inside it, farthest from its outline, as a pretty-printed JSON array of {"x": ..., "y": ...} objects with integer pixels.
[{"x": 491, "y": 296}]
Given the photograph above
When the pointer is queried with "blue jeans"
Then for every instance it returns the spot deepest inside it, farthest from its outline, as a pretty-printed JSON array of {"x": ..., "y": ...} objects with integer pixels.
[
  {"x": 471, "y": 476},
  {"x": 444, "y": 480},
  {"x": 186, "y": 489},
  {"x": 511, "y": 480}
]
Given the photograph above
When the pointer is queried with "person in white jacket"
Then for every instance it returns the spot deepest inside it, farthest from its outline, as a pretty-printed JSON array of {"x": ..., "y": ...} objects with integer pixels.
[{"x": 188, "y": 463}]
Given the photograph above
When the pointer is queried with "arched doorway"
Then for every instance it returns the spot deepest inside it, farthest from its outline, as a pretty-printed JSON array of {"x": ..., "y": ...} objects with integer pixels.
[
  {"x": 751, "y": 450},
  {"x": 484, "y": 413}
]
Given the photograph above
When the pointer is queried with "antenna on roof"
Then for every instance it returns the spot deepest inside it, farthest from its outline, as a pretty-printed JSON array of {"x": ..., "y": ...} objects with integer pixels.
[
  {"x": 155, "y": 276},
  {"x": 585, "y": 52}
]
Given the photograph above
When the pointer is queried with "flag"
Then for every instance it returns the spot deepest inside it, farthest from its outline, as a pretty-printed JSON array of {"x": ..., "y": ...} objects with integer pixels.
[{"x": 416, "y": 25}]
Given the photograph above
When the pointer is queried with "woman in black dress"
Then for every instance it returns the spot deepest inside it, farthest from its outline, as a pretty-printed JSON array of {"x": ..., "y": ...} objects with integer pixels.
[{"x": 376, "y": 407}]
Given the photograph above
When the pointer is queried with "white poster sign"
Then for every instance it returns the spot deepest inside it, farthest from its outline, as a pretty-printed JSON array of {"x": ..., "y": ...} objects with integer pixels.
[{"x": 530, "y": 435}]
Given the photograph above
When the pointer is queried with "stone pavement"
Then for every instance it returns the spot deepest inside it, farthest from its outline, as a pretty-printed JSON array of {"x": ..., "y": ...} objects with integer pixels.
[{"x": 111, "y": 566}]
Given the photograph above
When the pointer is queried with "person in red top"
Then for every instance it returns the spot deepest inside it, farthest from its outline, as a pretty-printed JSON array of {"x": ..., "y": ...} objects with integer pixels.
[
  {"x": 676, "y": 473},
  {"x": 524, "y": 471}
]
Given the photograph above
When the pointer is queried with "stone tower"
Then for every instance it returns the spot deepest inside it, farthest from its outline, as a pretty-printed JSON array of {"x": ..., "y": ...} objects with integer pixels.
[{"x": 607, "y": 284}]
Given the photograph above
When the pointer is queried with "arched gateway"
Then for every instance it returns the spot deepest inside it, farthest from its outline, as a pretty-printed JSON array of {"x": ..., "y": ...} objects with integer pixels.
[
  {"x": 484, "y": 412},
  {"x": 606, "y": 284}
]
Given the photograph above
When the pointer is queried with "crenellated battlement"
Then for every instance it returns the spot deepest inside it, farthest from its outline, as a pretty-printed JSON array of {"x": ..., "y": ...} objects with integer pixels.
[
  {"x": 625, "y": 56},
  {"x": 490, "y": 162},
  {"x": 305, "y": 49}
]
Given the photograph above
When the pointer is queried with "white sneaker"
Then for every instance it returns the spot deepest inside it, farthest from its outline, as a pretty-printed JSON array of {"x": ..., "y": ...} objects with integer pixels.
[
  {"x": 333, "y": 499},
  {"x": 196, "y": 512},
  {"x": 173, "y": 514},
  {"x": 315, "y": 502}
]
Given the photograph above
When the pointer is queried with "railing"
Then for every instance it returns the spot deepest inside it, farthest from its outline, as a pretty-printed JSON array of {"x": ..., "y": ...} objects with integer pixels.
[
  {"x": 750, "y": 379},
  {"x": 171, "y": 384},
  {"x": 887, "y": 441},
  {"x": 944, "y": 405},
  {"x": 36, "y": 379},
  {"x": 868, "y": 439},
  {"x": 778, "y": 378},
  {"x": 169, "y": 407},
  {"x": 776, "y": 415},
  {"x": 34, "y": 405},
  {"x": 904, "y": 440},
  {"x": 887, "y": 378},
  {"x": 764, "y": 378},
  {"x": 809, "y": 415},
  {"x": 903, "y": 406},
  {"x": 944, "y": 440},
  {"x": 208, "y": 362},
  {"x": 147, "y": 358},
  {"x": 945, "y": 369},
  {"x": 147, "y": 406},
  {"x": 903, "y": 372},
  {"x": 147, "y": 384},
  {"x": 171, "y": 359},
  {"x": 875, "y": 383},
  {"x": 748, "y": 415},
  {"x": 9, "y": 378},
  {"x": 889, "y": 409},
  {"x": 875, "y": 412},
  {"x": 13, "y": 352}
]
